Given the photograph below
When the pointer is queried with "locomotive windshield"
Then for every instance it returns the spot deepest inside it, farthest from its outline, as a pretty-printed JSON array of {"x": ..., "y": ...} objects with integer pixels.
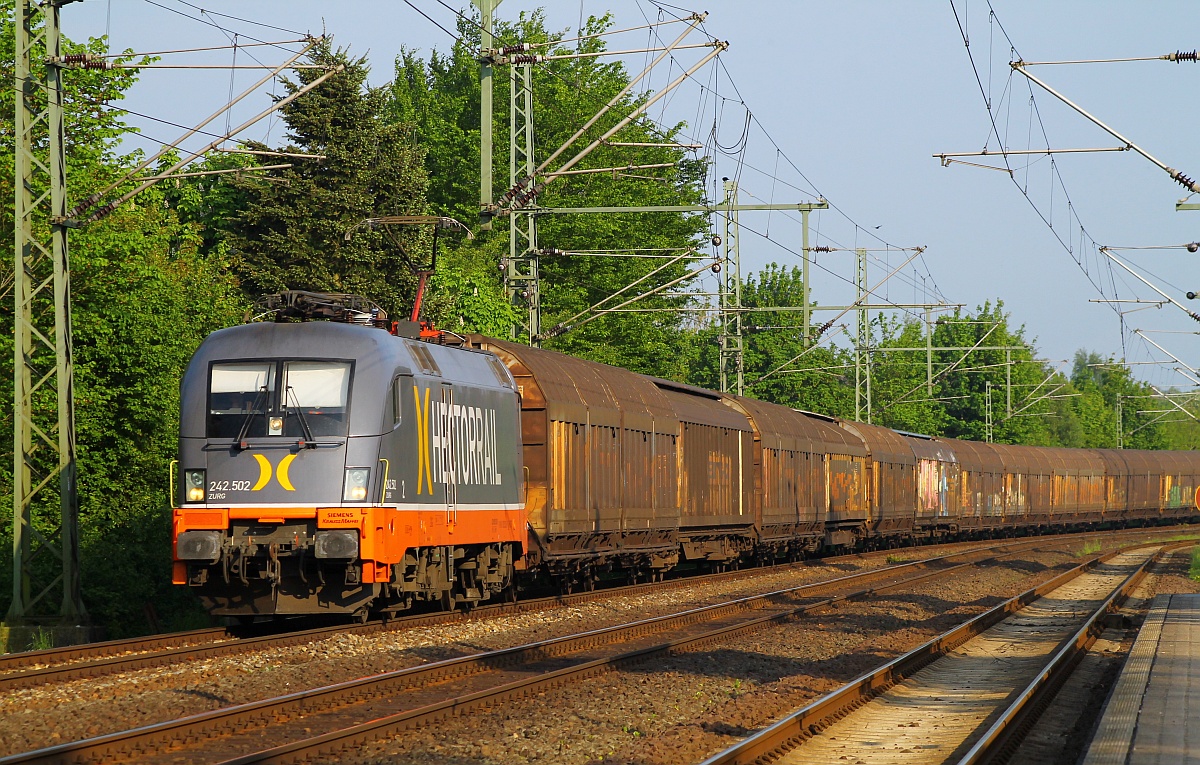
[{"x": 296, "y": 399}]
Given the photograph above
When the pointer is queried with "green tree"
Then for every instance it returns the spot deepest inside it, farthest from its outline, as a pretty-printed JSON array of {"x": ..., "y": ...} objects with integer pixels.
[
  {"x": 144, "y": 298},
  {"x": 1184, "y": 431},
  {"x": 964, "y": 376},
  {"x": 290, "y": 231},
  {"x": 440, "y": 97},
  {"x": 1101, "y": 383},
  {"x": 900, "y": 383},
  {"x": 778, "y": 367}
]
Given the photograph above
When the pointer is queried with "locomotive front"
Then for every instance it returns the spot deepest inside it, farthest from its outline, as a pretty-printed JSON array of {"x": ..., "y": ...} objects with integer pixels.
[{"x": 301, "y": 448}]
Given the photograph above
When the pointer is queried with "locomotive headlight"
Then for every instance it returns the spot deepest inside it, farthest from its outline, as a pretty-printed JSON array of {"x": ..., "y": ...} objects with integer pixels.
[
  {"x": 357, "y": 480},
  {"x": 193, "y": 484},
  {"x": 275, "y": 426}
]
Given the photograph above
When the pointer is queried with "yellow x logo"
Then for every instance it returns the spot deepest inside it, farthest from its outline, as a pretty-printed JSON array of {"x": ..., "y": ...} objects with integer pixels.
[{"x": 281, "y": 472}]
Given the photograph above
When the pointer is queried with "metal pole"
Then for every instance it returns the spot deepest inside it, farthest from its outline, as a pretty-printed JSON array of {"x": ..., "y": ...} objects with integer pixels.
[
  {"x": 928, "y": 354},
  {"x": 723, "y": 294},
  {"x": 731, "y": 299},
  {"x": 804, "y": 277},
  {"x": 71, "y": 610},
  {"x": 510, "y": 263},
  {"x": 1120, "y": 423},
  {"x": 1178, "y": 177},
  {"x": 486, "y": 9},
  {"x": 862, "y": 356},
  {"x": 521, "y": 268},
  {"x": 695, "y": 19},
  {"x": 1008, "y": 383},
  {"x": 987, "y": 411},
  {"x": 638, "y": 111},
  {"x": 41, "y": 271},
  {"x": 22, "y": 340}
]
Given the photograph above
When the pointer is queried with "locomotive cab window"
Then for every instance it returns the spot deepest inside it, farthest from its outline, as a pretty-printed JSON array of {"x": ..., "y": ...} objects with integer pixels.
[
  {"x": 240, "y": 394},
  {"x": 294, "y": 399},
  {"x": 315, "y": 396}
]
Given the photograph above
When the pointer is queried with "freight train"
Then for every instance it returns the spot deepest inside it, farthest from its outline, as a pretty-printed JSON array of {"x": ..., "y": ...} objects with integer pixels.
[{"x": 333, "y": 461}]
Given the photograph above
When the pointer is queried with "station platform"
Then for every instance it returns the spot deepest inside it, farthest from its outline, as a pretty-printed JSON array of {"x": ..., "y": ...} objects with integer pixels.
[{"x": 1153, "y": 714}]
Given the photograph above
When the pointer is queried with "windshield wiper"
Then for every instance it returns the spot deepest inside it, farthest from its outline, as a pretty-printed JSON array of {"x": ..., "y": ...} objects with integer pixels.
[
  {"x": 308, "y": 436},
  {"x": 262, "y": 394}
]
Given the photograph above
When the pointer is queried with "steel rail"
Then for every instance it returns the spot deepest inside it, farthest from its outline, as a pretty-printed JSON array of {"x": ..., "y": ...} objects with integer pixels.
[
  {"x": 1016, "y": 720},
  {"x": 359, "y": 735},
  {"x": 33, "y": 668},
  {"x": 26, "y": 669},
  {"x": 789, "y": 732},
  {"x": 266, "y": 712},
  {"x": 13, "y": 662},
  {"x": 30, "y": 668}
]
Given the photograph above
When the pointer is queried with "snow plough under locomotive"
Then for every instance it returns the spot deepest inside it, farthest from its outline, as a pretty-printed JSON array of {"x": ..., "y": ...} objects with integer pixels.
[{"x": 333, "y": 461}]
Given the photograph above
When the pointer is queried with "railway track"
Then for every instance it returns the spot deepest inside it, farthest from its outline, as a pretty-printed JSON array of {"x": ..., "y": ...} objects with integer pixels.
[
  {"x": 32, "y": 668},
  {"x": 966, "y": 696},
  {"x": 35, "y": 668},
  {"x": 319, "y": 721}
]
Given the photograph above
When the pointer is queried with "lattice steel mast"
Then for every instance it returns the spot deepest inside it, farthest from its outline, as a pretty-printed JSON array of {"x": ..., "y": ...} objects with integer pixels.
[
  {"x": 521, "y": 266},
  {"x": 43, "y": 399}
]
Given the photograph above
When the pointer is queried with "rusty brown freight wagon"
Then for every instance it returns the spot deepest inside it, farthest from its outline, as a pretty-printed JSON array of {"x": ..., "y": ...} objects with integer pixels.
[
  {"x": 846, "y": 484},
  {"x": 979, "y": 494},
  {"x": 716, "y": 475},
  {"x": 1161, "y": 484},
  {"x": 602, "y": 462},
  {"x": 793, "y": 493},
  {"x": 1078, "y": 487},
  {"x": 937, "y": 480},
  {"x": 1028, "y": 484},
  {"x": 891, "y": 481}
]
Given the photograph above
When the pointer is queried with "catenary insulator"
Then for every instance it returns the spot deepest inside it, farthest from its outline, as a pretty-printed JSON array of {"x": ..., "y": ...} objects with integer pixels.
[{"x": 85, "y": 61}]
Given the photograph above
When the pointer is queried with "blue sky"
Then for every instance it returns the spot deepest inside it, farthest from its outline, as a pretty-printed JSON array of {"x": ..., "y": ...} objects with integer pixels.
[{"x": 851, "y": 99}]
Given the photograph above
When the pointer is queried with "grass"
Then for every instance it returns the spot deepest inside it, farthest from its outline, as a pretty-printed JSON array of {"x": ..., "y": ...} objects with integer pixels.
[
  {"x": 1194, "y": 569},
  {"x": 43, "y": 640},
  {"x": 1182, "y": 538},
  {"x": 1088, "y": 548},
  {"x": 894, "y": 559}
]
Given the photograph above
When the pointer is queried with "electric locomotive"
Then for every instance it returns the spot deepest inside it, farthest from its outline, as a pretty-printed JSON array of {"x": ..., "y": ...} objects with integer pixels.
[{"x": 336, "y": 466}]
